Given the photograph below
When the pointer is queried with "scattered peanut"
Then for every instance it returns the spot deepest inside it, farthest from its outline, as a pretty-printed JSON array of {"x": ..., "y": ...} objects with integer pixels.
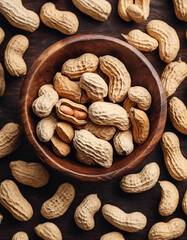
[
  {"x": 57, "y": 205},
  {"x": 123, "y": 142},
  {"x": 122, "y": 9},
  {"x": 65, "y": 131},
  {"x": 184, "y": 203},
  {"x": 120, "y": 80},
  {"x": 140, "y": 125},
  {"x": 99, "y": 150},
  {"x": 173, "y": 75},
  {"x": 141, "y": 40},
  {"x": 1, "y": 218},
  {"x": 97, "y": 9},
  {"x": 44, "y": 88},
  {"x": 10, "y": 138},
  {"x": 74, "y": 68},
  {"x": 107, "y": 113},
  {"x": 2, "y": 35},
  {"x": 84, "y": 213},
  {"x": 61, "y": 148},
  {"x": 142, "y": 181},
  {"x": 48, "y": 231},
  {"x": 169, "y": 198},
  {"x": 136, "y": 13},
  {"x": 20, "y": 236},
  {"x": 167, "y": 231},
  {"x": 129, "y": 222},
  {"x": 32, "y": 174},
  {"x": 180, "y": 7},
  {"x": 2, "y": 81},
  {"x": 175, "y": 162},
  {"x": 17, "y": 15},
  {"x": 167, "y": 38},
  {"x": 14, "y": 51},
  {"x": 12, "y": 199},
  {"x": 63, "y": 21},
  {"x": 112, "y": 236},
  {"x": 178, "y": 114}
]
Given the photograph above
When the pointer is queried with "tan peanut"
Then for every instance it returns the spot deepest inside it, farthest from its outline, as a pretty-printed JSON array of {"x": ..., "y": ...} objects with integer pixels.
[
  {"x": 2, "y": 81},
  {"x": 18, "y": 16},
  {"x": 13, "y": 56},
  {"x": 43, "y": 105},
  {"x": 65, "y": 131},
  {"x": 94, "y": 85},
  {"x": 69, "y": 89},
  {"x": 123, "y": 142},
  {"x": 12, "y": 199},
  {"x": 167, "y": 38},
  {"x": 48, "y": 231},
  {"x": 141, "y": 40},
  {"x": 10, "y": 138},
  {"x": 103, "y": 132},
  {"x": 29, "y": 173},
  {"x": 120, "y": 80},
  {"x": 44, "y": 88},
  {"x": 97, "y": 9},
  {"x": 180, "y": 7},
  {"x": 184, "y": 203},
  {"x": 20, "y": 236},
  {"x": 84, "y": 213},
  {"x": 99, "y": 150},
  {"x": 142, "y": 181},
  {"x": 61, "y": 148},
  {"x": 173, "y": 75},
  {"x": 167, "y": 230},
  {"x": 178, "y": 114},
  {"x": 46, "y": 127},
  {"x": 140, "y": 125},
  {"x": 136, "y": 13},
  {"x": 112, "y": 236},
  {"x": 2, "y": 35},
  {"x": 129, "y": 222},
  {"x": 169, "y": 198},
  {"x": 74, "y": 68},
  {"x": 57, "y": 205},
  {"x": 1, "y": 218},
  {"x": 175, "y": 162},
  {"x": 106, "y": 113},
  {"x": 83, "y": 158},
  {"x": 63, "y": 21},
  {"x": 122, "y": 9},
  {"x": 127, "y": 104}
]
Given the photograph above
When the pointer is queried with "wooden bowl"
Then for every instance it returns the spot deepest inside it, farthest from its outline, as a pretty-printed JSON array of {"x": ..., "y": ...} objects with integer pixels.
[{"x": 142, "y": 73}]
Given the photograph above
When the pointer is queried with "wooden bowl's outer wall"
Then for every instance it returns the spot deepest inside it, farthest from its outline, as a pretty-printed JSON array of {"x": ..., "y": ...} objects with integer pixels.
[{"x": 142, "y": 73}]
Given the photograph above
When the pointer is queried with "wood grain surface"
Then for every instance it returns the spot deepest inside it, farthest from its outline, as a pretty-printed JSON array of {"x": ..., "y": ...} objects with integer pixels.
[{"x": 108, "y": 192}]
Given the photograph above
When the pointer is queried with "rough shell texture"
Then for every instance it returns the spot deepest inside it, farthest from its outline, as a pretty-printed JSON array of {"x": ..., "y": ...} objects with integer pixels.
[
  {"x": 136, "y": 13},
  {"x": 65, "y": 131},
  {"x": 94, "y": 85},
  {"x": 29, "y": 173},
  {"x": 169, "y": 198},
  {"x": 96, "y": 149},
  {"x": 63, "y": 21},
  {"x": 106, "y": 113},
  {"x": 144, "y": 5},
  {"x": 2, "y": 81},
  {"x": 178, "y": 114},
  {"x": 122, "y": 9},
  {"x": 74, "y": 68},
  {"x": 184, "y": 203},
  {"x": 120, "y": 80},
  {"x": 142, "y": 181},
  {"x": 83, "y": 157},
  {"x": 175, "y": 162},
  {"x": 112, "y": 236},
  {"x": 46, "y": 127},
  {"x": 61, "y": 148},
  {"x": 59, "y": 203},
  {"x": 167, "y": 231},
  {"x": 123, "y": 142},
  {"x": 43, "y": 105},
  {"x": 84, "y": 213},
  {"x": 141, "y": 40},
  {"x": 20, "y": 236},
  {"x": 180, "y": 7},
  {"x": 44, "y": 88},
  {"x": 13, "y": 57},
  {"x": 48, "y": 231},
  {"x": 129, "y": 222},
  {"x": 173, "y": 75},
  {"x": 103, "y": 132},
  {"x": 18, "y": 16},
  {"x": 12, "y": 199},
  {"x": 97, "y": 9},
  {"x": 2, "y": 35},
  {"x": 10, "y": 138},
  {"x": 167, "y": 38}
]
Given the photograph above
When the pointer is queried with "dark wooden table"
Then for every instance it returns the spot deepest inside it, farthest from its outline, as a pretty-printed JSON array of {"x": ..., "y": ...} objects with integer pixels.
[{"x": 108, "y": 192}]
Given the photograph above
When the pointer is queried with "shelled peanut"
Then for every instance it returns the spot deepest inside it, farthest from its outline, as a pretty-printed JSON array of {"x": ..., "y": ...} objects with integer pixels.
[{"x": 84, "y": 105}]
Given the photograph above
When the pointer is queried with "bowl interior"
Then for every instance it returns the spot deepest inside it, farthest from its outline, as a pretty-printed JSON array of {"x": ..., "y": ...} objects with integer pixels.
[{"x": 142, "y": 73}]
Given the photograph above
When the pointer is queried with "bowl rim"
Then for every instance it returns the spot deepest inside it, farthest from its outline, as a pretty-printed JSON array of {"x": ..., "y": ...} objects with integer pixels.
[{"x": 24, "y": 115}]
